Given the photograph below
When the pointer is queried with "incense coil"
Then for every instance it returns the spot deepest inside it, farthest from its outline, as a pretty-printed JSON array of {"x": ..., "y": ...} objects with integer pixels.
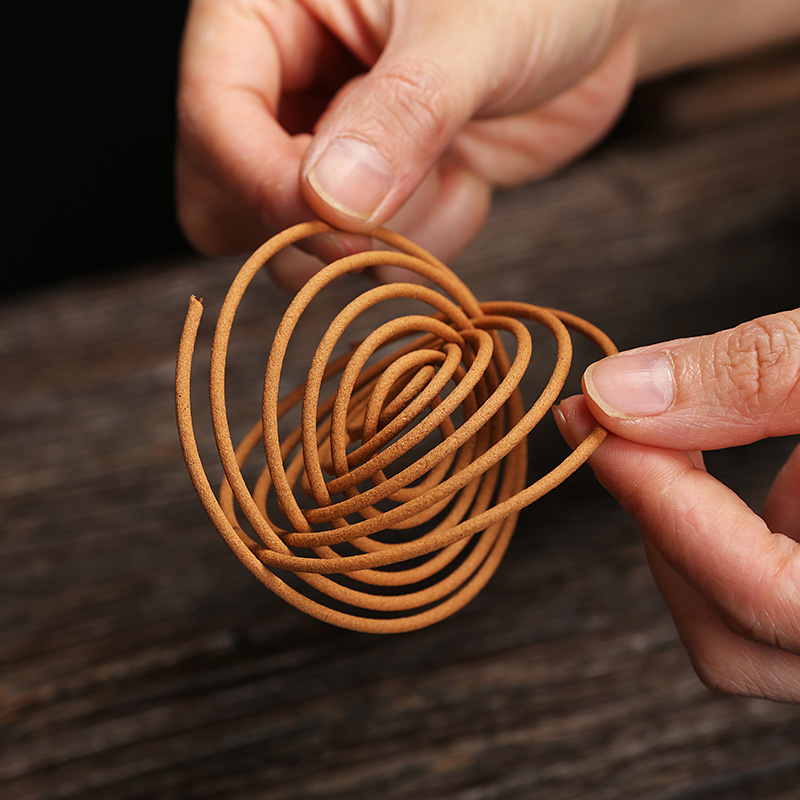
[{"x": 372, "y": 551}]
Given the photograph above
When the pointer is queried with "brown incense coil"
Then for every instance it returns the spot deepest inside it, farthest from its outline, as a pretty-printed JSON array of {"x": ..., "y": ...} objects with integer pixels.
[{"x": 378, "y": 544}]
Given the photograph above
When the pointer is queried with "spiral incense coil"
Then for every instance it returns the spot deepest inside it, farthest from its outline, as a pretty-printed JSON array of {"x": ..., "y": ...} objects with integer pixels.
[{"x": 367, "y": 539}]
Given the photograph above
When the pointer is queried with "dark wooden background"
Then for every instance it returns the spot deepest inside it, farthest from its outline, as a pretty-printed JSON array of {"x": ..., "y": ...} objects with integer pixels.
[{"x": 139, "y": 660}]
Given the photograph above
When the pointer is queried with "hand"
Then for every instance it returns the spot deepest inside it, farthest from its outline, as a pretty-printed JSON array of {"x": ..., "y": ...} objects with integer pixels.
[
  {"x": 417, "y": 110},
  {"x": 730, "y": 578}
]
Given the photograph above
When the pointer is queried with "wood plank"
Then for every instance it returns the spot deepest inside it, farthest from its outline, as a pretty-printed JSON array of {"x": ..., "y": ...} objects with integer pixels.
[{"x": 139, "y": 660}]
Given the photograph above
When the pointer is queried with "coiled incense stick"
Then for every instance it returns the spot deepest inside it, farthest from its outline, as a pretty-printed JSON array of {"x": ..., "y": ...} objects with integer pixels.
[{"x": 366, "y": 538}]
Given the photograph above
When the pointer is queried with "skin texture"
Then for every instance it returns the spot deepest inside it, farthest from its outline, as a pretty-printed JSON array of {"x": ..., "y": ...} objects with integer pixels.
[
  {"x": 730, "y": 577},
  {"x": 422, "y": 109},
  {"x": 460, "y": 97},
  {"x": 453, "y": 98}
]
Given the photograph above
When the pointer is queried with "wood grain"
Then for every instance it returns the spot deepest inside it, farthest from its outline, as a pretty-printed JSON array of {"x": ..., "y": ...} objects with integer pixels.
[{"x": 138, "y": 659}]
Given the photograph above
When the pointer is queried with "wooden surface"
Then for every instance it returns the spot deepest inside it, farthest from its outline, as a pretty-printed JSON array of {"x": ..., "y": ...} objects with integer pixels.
[{"x": 139, "y": 660}]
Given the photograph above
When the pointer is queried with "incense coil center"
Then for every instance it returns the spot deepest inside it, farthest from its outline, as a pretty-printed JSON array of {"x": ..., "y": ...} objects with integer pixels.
[{"x": 400, "y": 487}]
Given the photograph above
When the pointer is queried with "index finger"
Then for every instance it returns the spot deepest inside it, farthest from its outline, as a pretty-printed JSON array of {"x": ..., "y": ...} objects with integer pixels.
[{"x": 705, "y": 532}]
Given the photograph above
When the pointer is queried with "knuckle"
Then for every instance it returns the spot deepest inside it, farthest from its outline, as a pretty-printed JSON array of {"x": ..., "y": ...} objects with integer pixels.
[
  {"x": 415, "y": 101},
  {"x": 766, "y": 607},
  {"x": 196, "y": 118},
  {"x": 758, "y": 364},
  {"x": 725, "y": 665},
  {"x": 197, "y": 227},
  {"x": 198, "y": 213},
  {"x": 780, "y": 623},
  {"x": 726, "y": 676},
  {"x": 185, "y": 118}
]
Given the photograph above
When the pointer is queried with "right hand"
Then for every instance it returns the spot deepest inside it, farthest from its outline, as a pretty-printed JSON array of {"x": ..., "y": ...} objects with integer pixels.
[{"x": 730, "y": 577}]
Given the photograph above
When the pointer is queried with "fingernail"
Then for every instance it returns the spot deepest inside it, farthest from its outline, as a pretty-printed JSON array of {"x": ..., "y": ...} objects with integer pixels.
[
  {"x": 632, "y": 385},
  {"x": 351, "y": 176}
]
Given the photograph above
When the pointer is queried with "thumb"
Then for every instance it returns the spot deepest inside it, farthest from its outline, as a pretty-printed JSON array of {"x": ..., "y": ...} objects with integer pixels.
[
  {"x": 730, "y": 388},
  {"x": 442, "y": 64}
]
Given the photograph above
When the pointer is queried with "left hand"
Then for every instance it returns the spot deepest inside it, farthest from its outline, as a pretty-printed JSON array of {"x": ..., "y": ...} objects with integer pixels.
[
  {"x": 730, "y": 578},
  {"x": 421, "y": 108}
]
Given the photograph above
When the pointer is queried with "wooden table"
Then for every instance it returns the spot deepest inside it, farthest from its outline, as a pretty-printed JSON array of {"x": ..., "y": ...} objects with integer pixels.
[{"x": 139, "y": 660}]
